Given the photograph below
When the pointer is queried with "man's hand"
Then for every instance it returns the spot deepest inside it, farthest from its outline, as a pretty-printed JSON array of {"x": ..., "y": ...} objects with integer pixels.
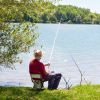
[{"x": 47, "y": 64}]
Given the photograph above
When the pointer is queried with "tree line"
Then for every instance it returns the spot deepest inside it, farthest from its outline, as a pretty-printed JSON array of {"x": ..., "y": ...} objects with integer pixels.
[
  {"x": 71, "y": 14},
  {"x": 67, "y": 13}
]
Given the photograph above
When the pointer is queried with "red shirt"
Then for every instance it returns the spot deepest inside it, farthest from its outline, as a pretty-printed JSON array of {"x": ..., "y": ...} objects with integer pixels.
[{"x": 37, "y": 67}]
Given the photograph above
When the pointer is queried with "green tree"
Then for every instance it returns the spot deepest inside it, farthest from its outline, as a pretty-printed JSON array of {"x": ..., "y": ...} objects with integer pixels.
[
  {"x": 16, "y": 38},
  {"x": 97, "y": 21},
  {"x": 92, "y": 17}
]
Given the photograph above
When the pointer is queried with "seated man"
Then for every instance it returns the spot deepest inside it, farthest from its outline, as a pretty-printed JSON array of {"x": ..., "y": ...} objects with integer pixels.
[{"x": 37, "y": 67}]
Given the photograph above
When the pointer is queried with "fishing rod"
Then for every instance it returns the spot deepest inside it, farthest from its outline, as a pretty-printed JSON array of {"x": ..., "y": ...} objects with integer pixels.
[{"x": 54, "y": 42}]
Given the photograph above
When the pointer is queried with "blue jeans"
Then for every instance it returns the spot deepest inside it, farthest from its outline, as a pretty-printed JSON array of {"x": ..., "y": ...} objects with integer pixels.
[{"x": 53, "y": 80}]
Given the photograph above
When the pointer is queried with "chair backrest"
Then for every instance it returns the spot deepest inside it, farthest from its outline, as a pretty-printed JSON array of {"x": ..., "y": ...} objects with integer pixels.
[{"x": 36, "y": 76}]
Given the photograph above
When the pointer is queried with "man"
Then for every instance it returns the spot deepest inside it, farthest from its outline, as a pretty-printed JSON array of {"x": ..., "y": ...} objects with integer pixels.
[{"x": 37, "y": 67}]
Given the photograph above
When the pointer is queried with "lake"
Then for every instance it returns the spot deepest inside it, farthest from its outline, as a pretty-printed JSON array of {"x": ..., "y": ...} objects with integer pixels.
[{"x": 80, "y": 41}]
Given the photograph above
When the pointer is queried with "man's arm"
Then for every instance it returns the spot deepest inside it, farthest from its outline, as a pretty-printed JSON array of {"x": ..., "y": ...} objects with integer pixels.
[{"x": 43, "y": 71}]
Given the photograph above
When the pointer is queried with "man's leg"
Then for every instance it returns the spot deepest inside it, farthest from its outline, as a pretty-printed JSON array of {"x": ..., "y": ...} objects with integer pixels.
[
  {"x": 50, "y": 79},
  {"x": 53, "y": 80},
  {"x": 57, "y": 80}
]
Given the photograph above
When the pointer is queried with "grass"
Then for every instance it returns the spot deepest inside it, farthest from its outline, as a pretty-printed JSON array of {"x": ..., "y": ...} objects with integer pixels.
[{"x": 85, "y": 92}]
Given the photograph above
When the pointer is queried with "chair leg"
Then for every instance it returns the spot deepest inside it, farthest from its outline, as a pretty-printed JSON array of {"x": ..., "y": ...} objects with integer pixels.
[{"x": 38, "y": 84}]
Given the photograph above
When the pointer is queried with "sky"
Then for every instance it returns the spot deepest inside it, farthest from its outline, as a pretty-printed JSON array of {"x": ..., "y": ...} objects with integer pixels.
[{"x": 93, "y": 5}]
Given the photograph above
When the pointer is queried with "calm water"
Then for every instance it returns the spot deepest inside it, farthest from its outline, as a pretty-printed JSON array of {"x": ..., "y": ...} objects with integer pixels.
[{"x": 80, "y": 41}]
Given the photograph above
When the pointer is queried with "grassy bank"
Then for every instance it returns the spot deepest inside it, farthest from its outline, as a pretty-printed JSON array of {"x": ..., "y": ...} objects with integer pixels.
[{"x": 85, "y": 92}]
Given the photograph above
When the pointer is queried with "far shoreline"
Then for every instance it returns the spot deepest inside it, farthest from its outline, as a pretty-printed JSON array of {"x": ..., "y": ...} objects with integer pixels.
[{"x": 55, "y": 23}]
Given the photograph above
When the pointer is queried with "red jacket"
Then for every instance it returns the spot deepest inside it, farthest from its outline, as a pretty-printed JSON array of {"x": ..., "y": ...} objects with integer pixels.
[{"x": 37, "y": 67}]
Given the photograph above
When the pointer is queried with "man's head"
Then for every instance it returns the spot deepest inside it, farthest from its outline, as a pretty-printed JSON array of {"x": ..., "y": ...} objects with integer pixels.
[{"x": 38, "y": 54}]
